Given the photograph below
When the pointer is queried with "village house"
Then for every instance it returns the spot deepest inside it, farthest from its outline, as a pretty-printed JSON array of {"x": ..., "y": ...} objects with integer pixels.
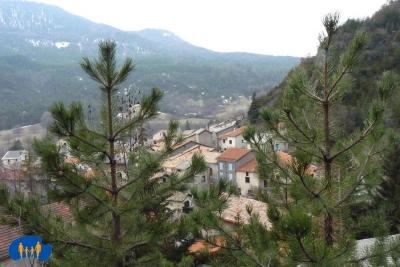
[
  {"x": 180, "y": 203},
  {"x": 201, "y": 136},
  {"x": 221, "y": 128},
  {"x": 264, "y": 138},
  {"x": 181, "y": 162},
  {"x": 13, "y": 159},
  {"x": 230, "y": 160},
  {"x": 247, "y": 179},
  {"x": 232, "y": 139}
]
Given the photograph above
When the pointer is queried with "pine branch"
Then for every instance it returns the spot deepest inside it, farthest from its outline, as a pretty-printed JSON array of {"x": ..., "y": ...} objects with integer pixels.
[
  {"x": 303, "y": 249},
  {"x": 359, "y": 179},
  {"x": 356, "y": 142},
  {"x": 312, "y": 141}
]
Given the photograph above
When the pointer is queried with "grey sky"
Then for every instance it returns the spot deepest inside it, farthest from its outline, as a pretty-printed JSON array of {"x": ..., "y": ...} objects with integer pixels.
[{"x": 278, "y": 27}]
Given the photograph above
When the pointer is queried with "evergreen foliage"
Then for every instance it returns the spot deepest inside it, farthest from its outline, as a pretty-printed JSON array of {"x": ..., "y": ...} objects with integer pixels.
[
  {"x": 120, "y": 216},
  {"x": 310, "y": 210},
  {"x": 17, "y": 145},
  {"x": 380, "y": 54}
]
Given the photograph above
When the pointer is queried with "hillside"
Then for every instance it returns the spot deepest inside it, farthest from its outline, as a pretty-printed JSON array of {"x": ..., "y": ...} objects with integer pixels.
[
  {"x": 382, "y": 53},
  {"x": 41, "y": 45}
]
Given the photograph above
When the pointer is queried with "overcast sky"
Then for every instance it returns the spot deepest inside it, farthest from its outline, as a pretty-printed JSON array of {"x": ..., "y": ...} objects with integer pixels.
[{"x": 277, "y": 27}]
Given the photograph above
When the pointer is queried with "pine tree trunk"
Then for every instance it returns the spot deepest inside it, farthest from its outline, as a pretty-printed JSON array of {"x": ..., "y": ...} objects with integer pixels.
[
  {"x": 328, "y": 222},
  {"x": 116, "y": 222}
]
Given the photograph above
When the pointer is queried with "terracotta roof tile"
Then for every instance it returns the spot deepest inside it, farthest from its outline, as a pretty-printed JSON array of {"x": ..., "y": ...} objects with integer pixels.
[
  {"x": 234, "y": 133},
  {"x": 250, "y": 166},
  {"x": 203, "y": 246},
  {"x": 233, "y": 154},
  {"x": 7, "y": 235},
  {"x": 60, "y": 209},
  {"x": 285, "y": 158},
  {"x": 237, "y": 208},
  {"x": 72, "y": 160}
]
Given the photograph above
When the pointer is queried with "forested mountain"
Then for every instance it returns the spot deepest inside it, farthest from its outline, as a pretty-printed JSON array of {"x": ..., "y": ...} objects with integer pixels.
[
  {"x": 41, "y": 46},
  {"x": 382, "y": 53}
]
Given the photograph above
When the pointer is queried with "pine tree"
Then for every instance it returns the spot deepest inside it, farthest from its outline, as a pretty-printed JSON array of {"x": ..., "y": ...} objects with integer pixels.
[
  {"x": 17, "y": 145},
  {"x": 328, "y": 172},
  {"x": 116, "y": 222},
  {"x": 187, "y": 125},
  {"x": 253, "y": 112},
  {"x": 389, "y": 190}
]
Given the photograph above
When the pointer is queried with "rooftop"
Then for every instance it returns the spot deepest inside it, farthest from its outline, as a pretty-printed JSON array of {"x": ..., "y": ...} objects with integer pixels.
[
  {"x": 233, "y": 154},
  {"x": 237, "y": 208},
  {"x": 250, "y": 166},
  {"x": 60, "y": 209},
  {"x": 285, "y": 158},
  {"x": 13, "y": 154},
  {"x": 210, "y": 156},
  {"x": 187, "y": 133},
  {"x": 176, "y": 146},
  {"x": 7, "y": 235},
  {"x": 196, "y": 132},
  {"x": 203, "y": 246},
  {"x": 178, "y": 196},
  {"x": 215, "y": 128},
  {"x": 234, "y": 133}
]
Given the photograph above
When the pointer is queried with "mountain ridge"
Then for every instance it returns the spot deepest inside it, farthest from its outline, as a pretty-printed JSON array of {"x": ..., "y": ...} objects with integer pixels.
[{"x": 41, "y": 46}]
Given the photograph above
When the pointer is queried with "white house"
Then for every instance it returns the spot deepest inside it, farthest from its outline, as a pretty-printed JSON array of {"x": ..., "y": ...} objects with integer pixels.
[
  {"x": 13, "y": 159},
  {"x": 159, "y": 136},
  {"x": 279, "y": 144},
  {"x": 247, "y": 178},
  {"x": 232, "y": 139}
]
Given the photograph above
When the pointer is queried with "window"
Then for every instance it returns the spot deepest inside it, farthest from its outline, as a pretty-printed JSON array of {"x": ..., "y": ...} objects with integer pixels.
[
  {"x": 221, "y": 165},
  {"x": 265, "y": 183},
  {"x": 230, "y": 142},
  {"x": 164, "y": 180},
  {"x": 221, "y": 174},
  {"x": 247, "y": 173},
  {"x": 230, "y": 176},
  {"x": 230, "y": 166},
  {"x": 203, "y": 178},
  {"x": 223, "y": 141},
  {"x": 276, "y": 147},
  {"x": 247, "y": 179},
  {"x": 186, "y": 204}
]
